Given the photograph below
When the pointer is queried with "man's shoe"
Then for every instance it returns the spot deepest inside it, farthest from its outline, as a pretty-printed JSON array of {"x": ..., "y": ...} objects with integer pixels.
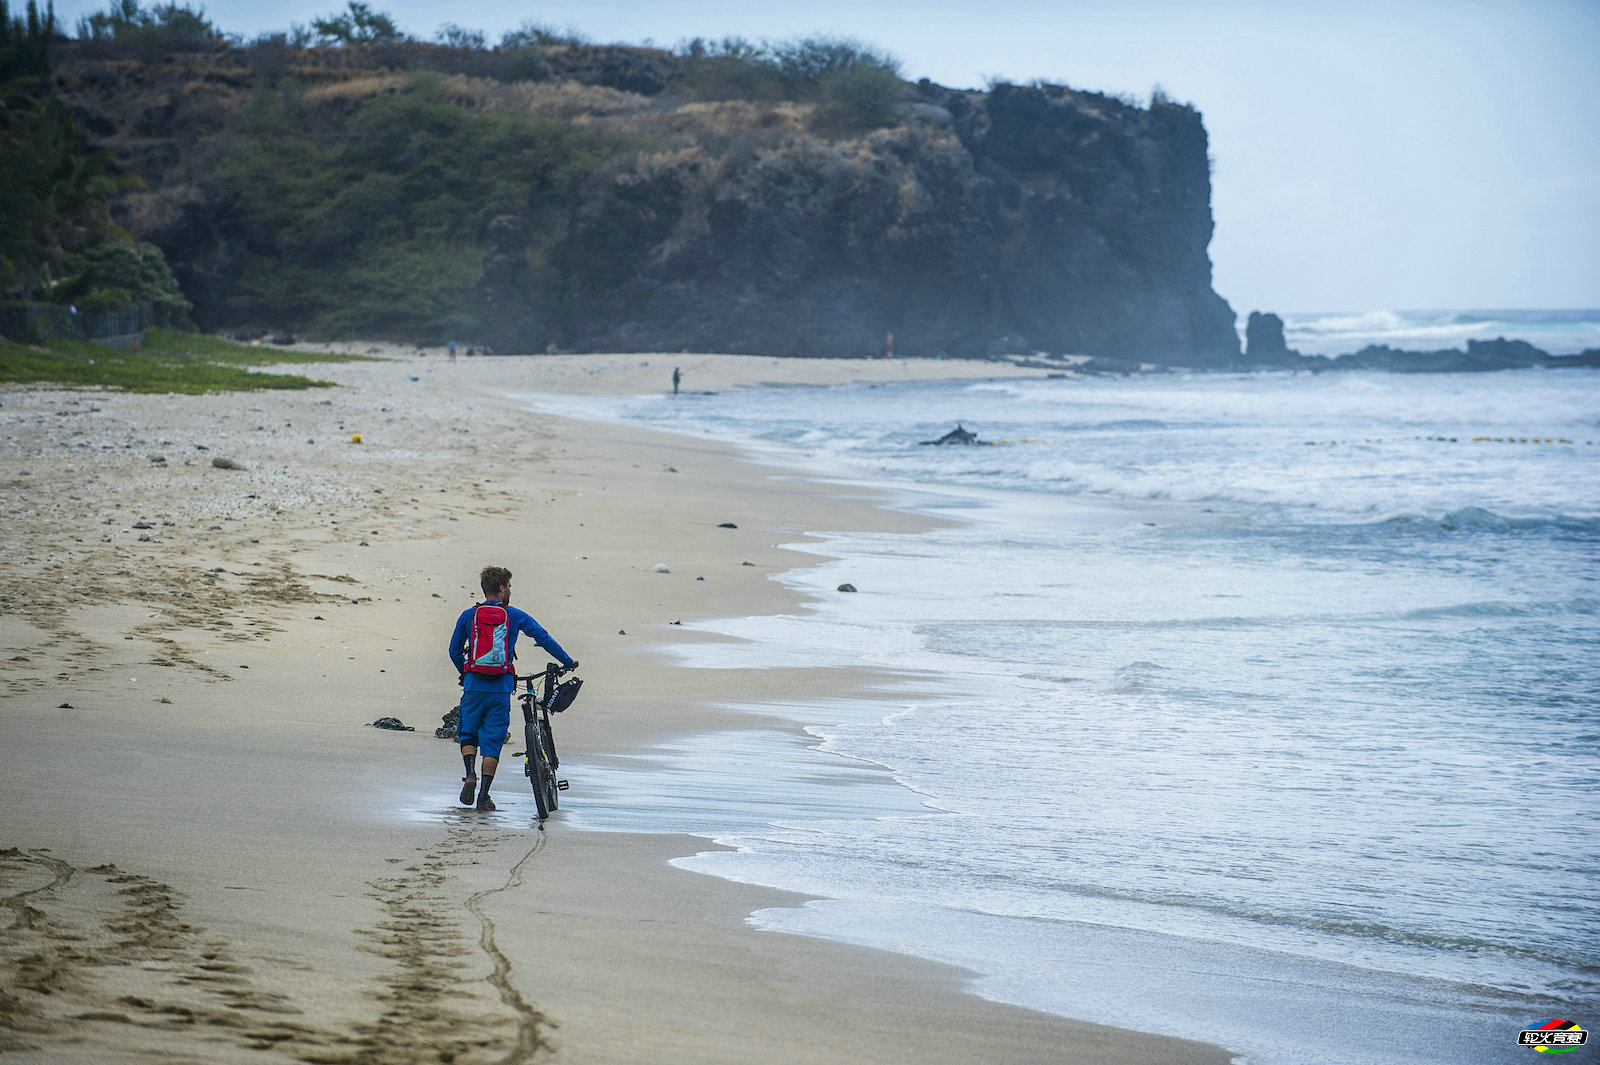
[
  {"x": 469, "y": 788},
  {"x": 486, "y": 803}
]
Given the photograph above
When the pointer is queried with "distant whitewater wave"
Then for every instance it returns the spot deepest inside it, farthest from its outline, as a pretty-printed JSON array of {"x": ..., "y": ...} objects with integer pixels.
[{"x": 1560, "y": 332}]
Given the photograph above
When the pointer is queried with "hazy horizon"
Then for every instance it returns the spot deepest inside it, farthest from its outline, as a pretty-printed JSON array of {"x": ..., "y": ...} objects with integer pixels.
[{"x": 1401, "y": 156}]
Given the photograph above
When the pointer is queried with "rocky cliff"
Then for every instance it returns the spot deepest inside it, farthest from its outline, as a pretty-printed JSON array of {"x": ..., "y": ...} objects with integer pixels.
[{"x": 599, "y": 199}]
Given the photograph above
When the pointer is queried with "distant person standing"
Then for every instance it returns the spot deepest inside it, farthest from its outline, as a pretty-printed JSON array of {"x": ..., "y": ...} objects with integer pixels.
[
  {"x": 452, "y": 351},
  {"x": 677, "y": 375},
  {"x": 888, "y": 346},
  {"x": 483, "y": 648}
]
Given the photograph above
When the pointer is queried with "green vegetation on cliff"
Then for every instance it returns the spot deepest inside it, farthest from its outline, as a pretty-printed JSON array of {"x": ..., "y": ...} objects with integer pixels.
[
  {"x": 58, "y": 240},
  {"x": 371, "y": 210},
  {"x": 785, "y": 198}
]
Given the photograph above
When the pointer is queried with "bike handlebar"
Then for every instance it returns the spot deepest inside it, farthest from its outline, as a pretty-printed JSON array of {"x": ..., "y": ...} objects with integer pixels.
[{"x": 552, "y": 668}]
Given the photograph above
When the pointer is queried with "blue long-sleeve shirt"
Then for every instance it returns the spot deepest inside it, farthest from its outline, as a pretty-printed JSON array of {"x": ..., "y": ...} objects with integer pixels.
[{"x": 520, "y": 621}]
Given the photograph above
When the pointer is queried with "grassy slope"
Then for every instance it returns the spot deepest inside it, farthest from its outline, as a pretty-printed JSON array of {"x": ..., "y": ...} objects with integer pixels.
[{"x": 168, "y": 362}]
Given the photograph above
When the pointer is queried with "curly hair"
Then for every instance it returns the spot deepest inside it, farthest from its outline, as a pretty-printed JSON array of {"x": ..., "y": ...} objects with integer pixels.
[{"x": 492, "y": 579}]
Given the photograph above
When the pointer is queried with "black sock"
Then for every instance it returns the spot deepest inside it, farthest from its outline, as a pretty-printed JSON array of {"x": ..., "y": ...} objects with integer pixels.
[
  {"x": 483, "y": 786},
  {"x": 467, "y": 760}
]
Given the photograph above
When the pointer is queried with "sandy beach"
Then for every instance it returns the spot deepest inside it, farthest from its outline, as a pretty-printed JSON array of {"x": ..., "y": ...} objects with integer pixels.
[{"x": 206, "y": 853}]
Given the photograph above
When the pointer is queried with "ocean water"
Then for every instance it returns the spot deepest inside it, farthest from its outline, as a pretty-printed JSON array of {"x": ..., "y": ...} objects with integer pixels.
[
  {"x": 1560, "y": 332},
  {"x": 1259, "y": 709}
]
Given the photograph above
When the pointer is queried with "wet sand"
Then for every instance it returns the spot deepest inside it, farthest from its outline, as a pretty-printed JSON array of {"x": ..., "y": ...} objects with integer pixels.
[{"x": 208, "y": 856}]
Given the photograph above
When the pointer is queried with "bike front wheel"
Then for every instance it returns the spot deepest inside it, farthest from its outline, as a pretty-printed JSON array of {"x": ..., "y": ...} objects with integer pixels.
[{"x": 541, "y": 775}]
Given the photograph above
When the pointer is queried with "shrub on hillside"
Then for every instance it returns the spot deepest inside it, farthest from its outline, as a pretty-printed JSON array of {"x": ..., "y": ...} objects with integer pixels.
[
  {"x": 148, "y": 33},
  {"x": 111, "y": 266},
  {"x": 358, "y": 24},
  {"x": 859, "y": 99}
]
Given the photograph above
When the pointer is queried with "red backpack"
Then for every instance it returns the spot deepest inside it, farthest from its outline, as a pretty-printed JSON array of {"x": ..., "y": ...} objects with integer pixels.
[{"x": 489, "y": 641}]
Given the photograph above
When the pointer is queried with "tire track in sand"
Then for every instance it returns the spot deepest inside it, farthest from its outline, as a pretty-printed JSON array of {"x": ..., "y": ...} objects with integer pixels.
[{"x": 529, "y": 1020}]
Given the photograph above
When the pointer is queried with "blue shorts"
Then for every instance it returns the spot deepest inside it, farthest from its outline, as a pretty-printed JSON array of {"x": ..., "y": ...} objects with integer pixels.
[{"x": 485, "y": 721}]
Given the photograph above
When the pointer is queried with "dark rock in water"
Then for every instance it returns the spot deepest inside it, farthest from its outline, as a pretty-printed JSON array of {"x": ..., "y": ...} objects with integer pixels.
[
  {"x": 447, "y": 731},
  {"x": 958, "y": 435},
  {"x": 847, "y": 587},
  {"x": 393, "y": 724},
  {"x": 1263, "y": 340},
  {"x": 727, "y": 525},
  {"x": 1503, "y": 354},
  {"x": 1481, "y": 356},
  {"x": 1589, "y": 358}
]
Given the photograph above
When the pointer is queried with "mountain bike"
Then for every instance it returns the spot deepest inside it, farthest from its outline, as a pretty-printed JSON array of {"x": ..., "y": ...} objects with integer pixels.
[{"x": 540, "y": 761}]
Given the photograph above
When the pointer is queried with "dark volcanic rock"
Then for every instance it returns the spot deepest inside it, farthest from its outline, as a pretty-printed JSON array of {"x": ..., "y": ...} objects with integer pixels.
[
  {"x": 958, "y": 435},
  {"x": 1480, "y": 356},
  {"x": 1263, "y": 337},
  {"x": 1588, "y": 358},
  {"x": 1038, "y": 219}
]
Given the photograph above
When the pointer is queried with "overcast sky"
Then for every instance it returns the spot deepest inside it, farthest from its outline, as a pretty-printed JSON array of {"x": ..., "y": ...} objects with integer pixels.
[{"x": 1400, "y": 155}]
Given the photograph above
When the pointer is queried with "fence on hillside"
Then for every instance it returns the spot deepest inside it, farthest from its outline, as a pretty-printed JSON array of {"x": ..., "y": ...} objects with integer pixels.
[{"x": 33, "y": 322}]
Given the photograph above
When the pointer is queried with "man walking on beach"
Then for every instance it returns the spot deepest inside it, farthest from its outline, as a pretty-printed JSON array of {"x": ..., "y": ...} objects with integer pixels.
[{"x": 483, "y": 649}]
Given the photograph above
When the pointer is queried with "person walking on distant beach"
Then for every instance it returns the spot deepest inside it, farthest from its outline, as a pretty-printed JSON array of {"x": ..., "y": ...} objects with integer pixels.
[
  {"x": 452, "y": 351},
  {"x": 677, "y": 375},
  {"x": 888, "y": 346},
  {"x": 483, "y": 650}
]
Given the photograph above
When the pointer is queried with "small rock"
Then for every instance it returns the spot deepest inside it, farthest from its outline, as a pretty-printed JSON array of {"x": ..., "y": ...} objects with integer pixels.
[
  {"x": 165, "y": 699},
  {"x": 158, "y": 459},
  {"x": 747, "y": 562},
  {"x": 145, "y": 537},
  {"x": 226, "y": 464},
  {"x": 213, "y": 528},
  {"x": 661, "y": 567},
  {"x": 622, "y": 632},
  {"x": 699, "y": 578},
  {"x": 143, "y": 525},
  {"x": 847, "y": 587},
  {"x": 678, "y": 622},
  {"x": 65, "y": 706},
  {"x": 365, "y": 544},
  {"x": 393, "y": 724},
  {"x": 727, "y": 525}
]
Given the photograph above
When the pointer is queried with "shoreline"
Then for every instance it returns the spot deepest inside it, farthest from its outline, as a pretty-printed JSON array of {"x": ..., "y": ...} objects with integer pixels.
[{"x": 246, "y": 811}]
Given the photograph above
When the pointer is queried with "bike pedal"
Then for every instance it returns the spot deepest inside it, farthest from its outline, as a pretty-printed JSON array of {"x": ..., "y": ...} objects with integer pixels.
[{"x": 561, "y": 785}]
